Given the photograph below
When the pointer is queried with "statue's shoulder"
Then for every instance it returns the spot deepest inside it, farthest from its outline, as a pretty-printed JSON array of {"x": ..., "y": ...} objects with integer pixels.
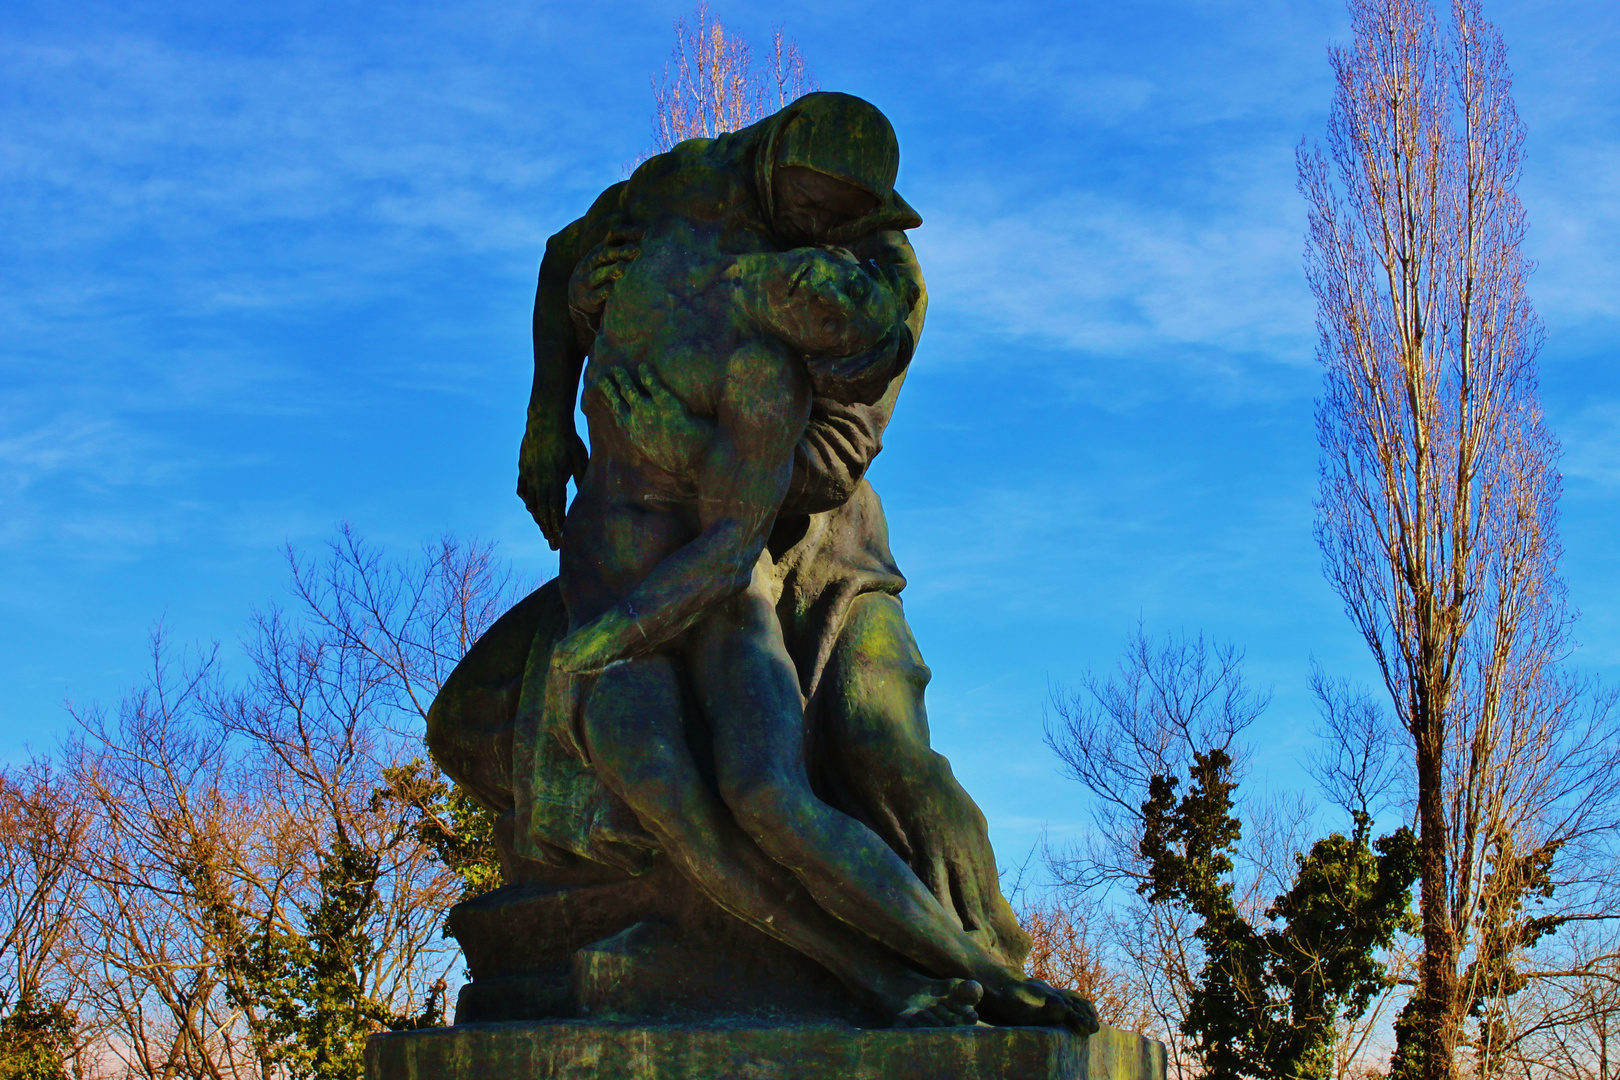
[{"x": 689, "y": 181}]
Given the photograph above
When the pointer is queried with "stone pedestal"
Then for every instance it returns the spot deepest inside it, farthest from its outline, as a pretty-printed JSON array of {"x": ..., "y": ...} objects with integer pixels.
[
  {"x": 590, "y": 1050},
  {"x": 643, "y": 979},
  {"x": 646, "y": 949}
]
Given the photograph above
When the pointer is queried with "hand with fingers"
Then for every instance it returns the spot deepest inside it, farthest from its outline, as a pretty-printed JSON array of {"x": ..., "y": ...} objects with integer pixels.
[
  {"x": 596, "y": 274},
  {"x": 575, "y": 662},
  {"x": 655, "y": 421},
  {"x": 551, "y": 454}
]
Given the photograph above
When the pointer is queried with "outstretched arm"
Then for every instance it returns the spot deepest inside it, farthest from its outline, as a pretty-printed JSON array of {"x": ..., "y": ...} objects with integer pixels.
[{"x": 552, "y": 450}]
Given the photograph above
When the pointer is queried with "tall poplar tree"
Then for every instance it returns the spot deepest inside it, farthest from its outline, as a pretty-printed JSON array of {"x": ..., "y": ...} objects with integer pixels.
[{"x": 1439, "y": 491}]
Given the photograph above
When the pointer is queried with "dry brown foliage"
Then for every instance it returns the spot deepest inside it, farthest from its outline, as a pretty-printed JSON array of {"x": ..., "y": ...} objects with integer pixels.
[
  {"x": 716, "y": 84},
  {"x": 43, "y": 823},
  {"x": 1067, "y": 953},
  {"x": 139, "y": 866},
  {"x": 42, "y": 828}
]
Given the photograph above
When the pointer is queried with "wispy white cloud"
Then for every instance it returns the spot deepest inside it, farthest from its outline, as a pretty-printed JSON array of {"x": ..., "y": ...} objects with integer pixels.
[
  {"x": 1591, "y": 440},
  {"x": 1096, "y": 272},
  {"x": 260, "y": 274},
  {"x": 1573, "y": 205},
  {"x": 200, "y": 181},
  {"x": 66, "y": 444}
]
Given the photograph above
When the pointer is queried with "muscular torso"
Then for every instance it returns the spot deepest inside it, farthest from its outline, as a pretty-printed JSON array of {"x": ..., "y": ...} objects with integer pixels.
[
  {"x": 637, "y": 534},
  {"x": 676, "y": 311}
]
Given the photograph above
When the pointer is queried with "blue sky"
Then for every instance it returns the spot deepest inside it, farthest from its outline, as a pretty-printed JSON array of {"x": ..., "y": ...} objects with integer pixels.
[{"x": 268, "y": 267}]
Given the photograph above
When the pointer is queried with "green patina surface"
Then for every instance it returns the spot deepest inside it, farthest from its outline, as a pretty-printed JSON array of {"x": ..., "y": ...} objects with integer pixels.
[
  {"x": 730, "y": 688},
  {"x": 577, "y": 1050}
]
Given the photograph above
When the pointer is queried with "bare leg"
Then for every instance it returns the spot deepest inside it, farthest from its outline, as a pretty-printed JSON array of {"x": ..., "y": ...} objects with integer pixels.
[
  {"x": 747, "y": 685},
  {"x": 872, "y": 745},
  {"x": 638, "y": 745}
]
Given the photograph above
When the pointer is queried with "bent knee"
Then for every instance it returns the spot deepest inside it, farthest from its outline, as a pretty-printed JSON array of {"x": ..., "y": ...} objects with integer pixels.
[
  {"x": 876, "y": 640},
  {"x": 875, "y": 680},
  {"x": 633, "y": 714}
]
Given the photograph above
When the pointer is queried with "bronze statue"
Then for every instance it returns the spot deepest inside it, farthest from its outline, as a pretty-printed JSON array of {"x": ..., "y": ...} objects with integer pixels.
[{"x": 713, "y": 723}]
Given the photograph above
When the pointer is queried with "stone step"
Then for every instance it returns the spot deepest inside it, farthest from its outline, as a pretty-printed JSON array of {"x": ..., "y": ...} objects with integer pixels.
[{"x": 586, "y": 1050}]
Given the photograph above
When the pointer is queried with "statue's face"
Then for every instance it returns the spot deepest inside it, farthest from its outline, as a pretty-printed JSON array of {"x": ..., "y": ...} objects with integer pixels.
[
  {"x": 809, "y": 204},
  {"x": 820, "y": 301}
]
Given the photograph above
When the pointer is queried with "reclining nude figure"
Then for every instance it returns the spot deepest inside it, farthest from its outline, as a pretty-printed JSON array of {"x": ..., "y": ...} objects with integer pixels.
[{"x": 665, "y": 571}]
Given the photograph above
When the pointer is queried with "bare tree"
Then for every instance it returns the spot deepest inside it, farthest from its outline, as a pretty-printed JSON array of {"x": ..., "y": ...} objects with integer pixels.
[
  {"x": 172, "y": 841},
  {"x": 413, "y": 621},
  {"x": 261, "y": 880},
  {"x": 1439, "y": 486},
  {"x": 1356, "y": 762},
  {"x": 42, "y": 826},
  {"x": 715, "y": 84},
  {"x": 1566, "y": 1022},
  {"x": 1165, "y": 701},
  {"x": 1068, "y": 951}
]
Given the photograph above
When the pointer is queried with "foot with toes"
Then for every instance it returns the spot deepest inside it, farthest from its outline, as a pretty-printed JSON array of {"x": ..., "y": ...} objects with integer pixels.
[
  {"x": 938, "y": 1003},
  {"x": 1026, "y": 1002}
]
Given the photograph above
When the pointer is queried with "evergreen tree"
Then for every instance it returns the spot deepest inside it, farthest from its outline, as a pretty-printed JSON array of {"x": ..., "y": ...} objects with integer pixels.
[
  {"x": 36, "y": 1040},
  {"x": 458, "y": 829},
  {"x": 307, "y": 984},
  {"x": 1269, "y": 1000}
]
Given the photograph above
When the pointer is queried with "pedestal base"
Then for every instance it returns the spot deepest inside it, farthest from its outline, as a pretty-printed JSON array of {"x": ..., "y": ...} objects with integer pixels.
[
  {"x": 586, "y": 1050},
  {"x": 643, "y": 950}
]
